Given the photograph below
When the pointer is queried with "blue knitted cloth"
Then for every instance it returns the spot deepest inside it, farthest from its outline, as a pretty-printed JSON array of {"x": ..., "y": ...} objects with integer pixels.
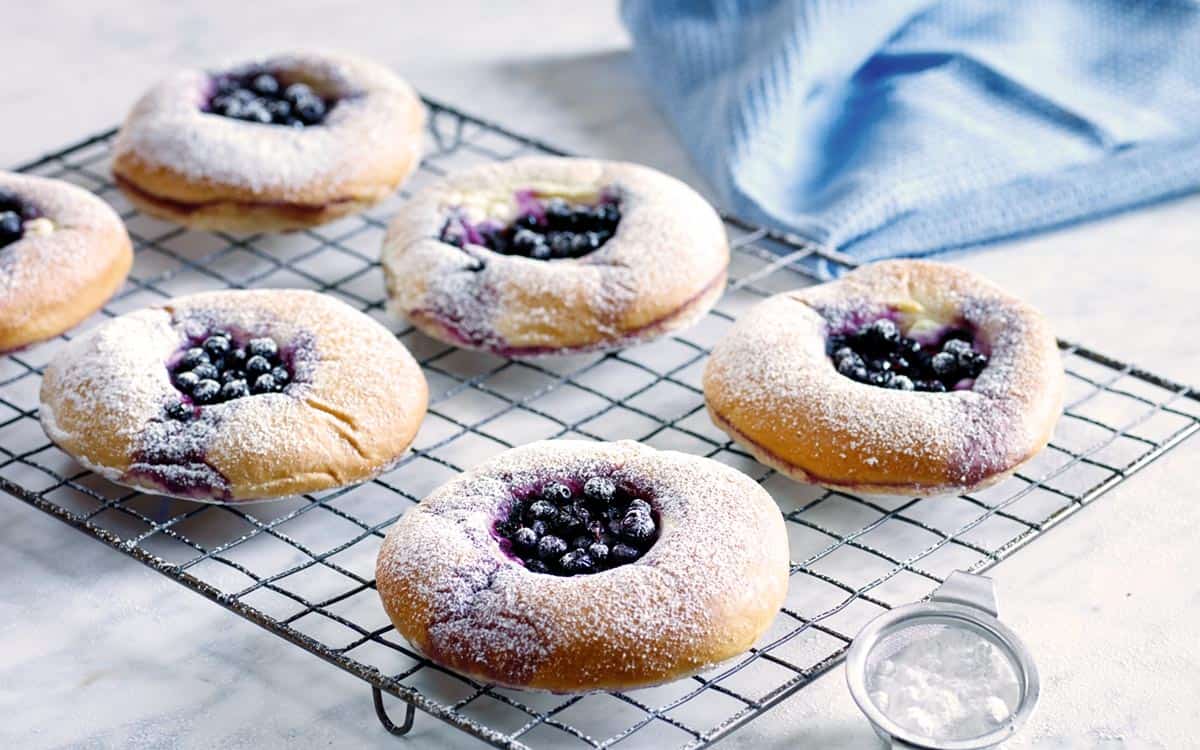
[{"x": 908, "y": 127}]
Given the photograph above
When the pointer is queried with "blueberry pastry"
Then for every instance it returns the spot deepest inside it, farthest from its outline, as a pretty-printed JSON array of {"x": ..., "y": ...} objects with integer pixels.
[
  {"x": 547, "y": 255},
  {"x": 235, "y": 395},
  {"x": 573, "y": 566},
  {"x": 281, "y": 143},
  {"x": 901, "y": 377},
  {"x": 63, "y": 253}
]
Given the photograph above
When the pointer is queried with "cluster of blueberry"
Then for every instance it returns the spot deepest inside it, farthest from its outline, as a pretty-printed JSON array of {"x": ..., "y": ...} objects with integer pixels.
[
  {"x": 878, "y": 354},
  {"x": 219, "y": 370},
  {"x": 13, "y": 214},
  {"x": 561, "y": 230},
  {"x": 261, "y": 98},
  {"x": 556, "y": 531}
]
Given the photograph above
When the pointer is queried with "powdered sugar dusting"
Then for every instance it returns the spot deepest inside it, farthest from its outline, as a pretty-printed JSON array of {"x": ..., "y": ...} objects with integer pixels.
[
  {"x": 702, "y": 593},
  {"x": 771, "y": 381},
  {"x": 669, "y": 247}
]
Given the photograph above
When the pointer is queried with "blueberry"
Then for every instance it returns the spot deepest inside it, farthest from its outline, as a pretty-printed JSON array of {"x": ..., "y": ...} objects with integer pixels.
[
  {"x": 849, "y": 365},
  {"x": 884, "y": 331},
  {"x": 525, "y": 240},
  {"x": 265, "y": 84},
  {"x": 569, "y": 521},
  {"x": 529, "y": 221},
  {"x": 263, "y": 384},
  {"x": 637, "y": 527},
  {"x": 558, "y": 214},
  {"x": 192, "y": 357},
  {"x": 638, "y": 506},
  {"x": 606, "y": 216},
  {"x": 281, "y": 375},
  {"x": 234, "y": 389},
  {"x": 623, "y": 553},
  {"x": 583, "y": 541},
  {"x": 560, "y": 244},
  {"x": 186, "y": 381},
  {"x": 556, "y": 492},
  {"x": 936, "y": 386},
  {"x": 539, "y": 527},
  {"x": 902, "y": 383},
  {"x": 596, "y": 239},
  {"x": 879, "y": 365},
  {"x": 943, "y": 363},
  {"x": 236, "y": 359},
  {"x": 256, "y": 111},
  {"x": 880, "y": 378},
  {"x": 580, "y": 244},
  {"x": 297, "y": 91},
  {"x": 206, "y": 372},
  {"x": 262, "y": 347},
  {"x": 551, "y": 547},
  {"x": 576, "y": 562},
  {"x": 541, "y": 252},
  {"x": 180, "y": 411},
  {"x": 206, "y": 391},
  {"x": 536, "y": 566},
  {"x": 257, "y": 365},
  {"x": 228, "y": 106},
  {"x": 972, "y": 363},
  {"x": 216, "y": 345},
  {"x": 601, "y": 489},
  {"x": 281, "y": 111},
  {"x": 310, "y": 110},
  {"x": 541, "y": 510},
  {"x": 10, "y": 226},
  {"x": 525, "y": 539},
  {"x": 598, "y": 551},
  {"x": 956, "y": 346}
]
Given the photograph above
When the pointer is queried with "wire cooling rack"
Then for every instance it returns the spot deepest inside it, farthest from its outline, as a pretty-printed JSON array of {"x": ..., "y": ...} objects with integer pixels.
[{"x": 303, "y": 568}]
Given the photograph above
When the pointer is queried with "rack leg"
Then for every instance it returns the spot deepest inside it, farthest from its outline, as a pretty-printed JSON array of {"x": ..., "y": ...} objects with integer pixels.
[{"x": 381, "y": 712}]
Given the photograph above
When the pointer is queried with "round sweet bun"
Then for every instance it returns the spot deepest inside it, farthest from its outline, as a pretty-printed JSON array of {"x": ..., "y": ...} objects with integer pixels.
[
  {"x": 205, "y": 171},
  {"x": 704, "y": 592},
  {"x": 352, "y": 408},
  {"x": 70, "y": 260},
  {"x": 770, "y": 384},
  {"x": 662, "y": 270}
]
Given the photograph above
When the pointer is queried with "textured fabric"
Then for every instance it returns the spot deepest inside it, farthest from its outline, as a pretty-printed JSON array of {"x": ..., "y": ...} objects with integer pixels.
[{"x": 907, "y": 127}]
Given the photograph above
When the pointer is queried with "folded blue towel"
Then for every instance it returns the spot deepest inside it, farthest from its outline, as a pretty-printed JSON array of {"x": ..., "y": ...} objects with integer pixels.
[{"x": 908, "y": 127}]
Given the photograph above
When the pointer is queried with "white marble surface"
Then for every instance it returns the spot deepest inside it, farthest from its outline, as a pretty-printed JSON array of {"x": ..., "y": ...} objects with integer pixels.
[{"x": 96, "y": 651}]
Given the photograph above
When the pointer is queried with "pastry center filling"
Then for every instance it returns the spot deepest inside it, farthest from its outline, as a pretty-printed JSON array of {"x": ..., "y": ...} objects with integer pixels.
[
  {"x": 566, "y": 529},
  {"x": 221, "y": 368},
  {"x": 544, "y": 229},
  {"x": 879, "y": 354},
  {"x": 261, "y": 97},
  {"x": 16, "y": 216}
]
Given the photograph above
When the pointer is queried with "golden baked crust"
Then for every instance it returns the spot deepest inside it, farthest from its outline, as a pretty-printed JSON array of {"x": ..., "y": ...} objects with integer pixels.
[
  {"x": 205, "y": 171},
  {"x": 354, "y": 406},
  {"x": 704, "y": 592},
  {"x": 771, "y": 385},
  {"x": 663, "y": 269},
  {"x": 55, "y": 277}
]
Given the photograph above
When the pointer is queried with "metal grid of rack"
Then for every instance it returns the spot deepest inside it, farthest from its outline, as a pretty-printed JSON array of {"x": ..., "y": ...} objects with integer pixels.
[{"x": 303, "y": 568}]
